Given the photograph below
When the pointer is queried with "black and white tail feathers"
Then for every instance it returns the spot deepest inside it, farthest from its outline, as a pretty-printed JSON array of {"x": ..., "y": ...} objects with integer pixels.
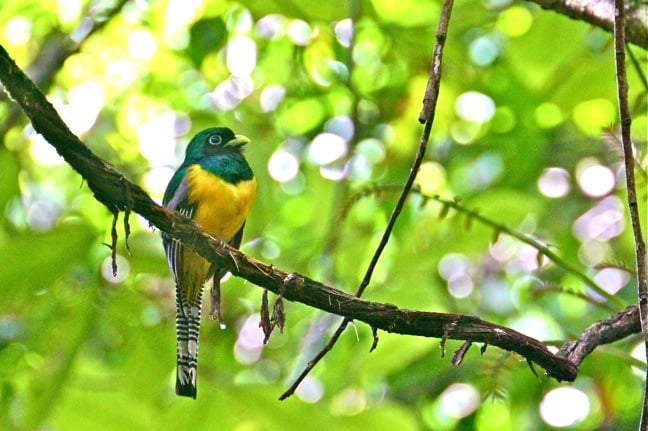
[{"x": 187, "y": 327}]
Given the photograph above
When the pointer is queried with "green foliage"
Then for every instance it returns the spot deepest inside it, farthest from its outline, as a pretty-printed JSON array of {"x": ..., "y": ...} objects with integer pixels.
[{"x": 518, "y": 216}]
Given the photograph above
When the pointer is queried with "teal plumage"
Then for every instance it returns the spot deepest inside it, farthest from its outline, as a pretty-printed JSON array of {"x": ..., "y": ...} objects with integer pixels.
[{"x": 215, "y": 187}]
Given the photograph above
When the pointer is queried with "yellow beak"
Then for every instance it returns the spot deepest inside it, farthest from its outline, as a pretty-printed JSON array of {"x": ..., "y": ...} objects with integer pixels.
[{"x": 238, "y": 141}]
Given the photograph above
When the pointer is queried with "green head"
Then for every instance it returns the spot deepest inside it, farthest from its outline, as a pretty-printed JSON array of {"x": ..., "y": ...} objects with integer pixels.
[
  {"x": 219, "y": 151},
  {"x": 214, "y": 141}
]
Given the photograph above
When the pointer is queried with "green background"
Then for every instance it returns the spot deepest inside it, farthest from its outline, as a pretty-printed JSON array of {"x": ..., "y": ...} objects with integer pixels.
[{"x": 80, "y": 349}]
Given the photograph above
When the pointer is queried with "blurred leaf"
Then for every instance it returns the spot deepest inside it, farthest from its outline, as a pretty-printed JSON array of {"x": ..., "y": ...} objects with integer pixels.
[
  {"x": 53, "y": 373},
  {"x": 10, "y": 168},
  {"x": 206, "y": 36},
  {"x": 31, "y": 261},
  {"x": 81, "y": 351}
]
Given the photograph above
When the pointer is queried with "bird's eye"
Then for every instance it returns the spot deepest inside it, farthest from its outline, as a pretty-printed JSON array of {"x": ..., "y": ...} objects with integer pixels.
[{"x": 215, "y": 140}]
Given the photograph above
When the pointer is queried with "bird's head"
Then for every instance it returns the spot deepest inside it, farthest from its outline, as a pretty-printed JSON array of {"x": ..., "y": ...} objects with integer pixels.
[{"x": 214, "y": 141}]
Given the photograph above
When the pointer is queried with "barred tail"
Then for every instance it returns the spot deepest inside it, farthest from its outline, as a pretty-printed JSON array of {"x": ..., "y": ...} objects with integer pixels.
[{"x": 187, "y": 326}]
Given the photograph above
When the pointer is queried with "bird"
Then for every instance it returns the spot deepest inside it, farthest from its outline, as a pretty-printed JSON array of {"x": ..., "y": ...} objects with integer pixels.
[{"x": 215, "y": 187}]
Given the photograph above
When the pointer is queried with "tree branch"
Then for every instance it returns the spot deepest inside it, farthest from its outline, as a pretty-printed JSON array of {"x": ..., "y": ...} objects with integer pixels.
[
  {"x": 629, "y": 163},
  {"x": 617, "y": 327},
  {"x": 600, "y": 13},
  {"x": 117, "y": 193}
]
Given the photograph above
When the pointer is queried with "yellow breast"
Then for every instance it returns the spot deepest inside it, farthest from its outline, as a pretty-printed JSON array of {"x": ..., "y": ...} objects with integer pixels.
[{"x": 221, "y": 207}]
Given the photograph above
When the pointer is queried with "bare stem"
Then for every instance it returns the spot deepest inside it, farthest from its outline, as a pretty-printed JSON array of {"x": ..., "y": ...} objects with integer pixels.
[
  {"x": 628, "y": 157},
  {"x": 427, "y": 116}
]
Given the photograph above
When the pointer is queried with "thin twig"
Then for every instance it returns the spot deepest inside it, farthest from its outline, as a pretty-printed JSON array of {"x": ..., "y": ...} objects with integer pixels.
[
  {"x": 629, "y": 161},
  {"x": 430, "y": 99},
  {"x": 460, "y": 353},
  {"x": 639, "y": 68},
  {"x": 541, "y": 248}
]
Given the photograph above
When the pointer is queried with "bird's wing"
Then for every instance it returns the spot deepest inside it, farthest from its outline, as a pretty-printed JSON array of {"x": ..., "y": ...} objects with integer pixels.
[
  {"x": 236, "y": 240},
  {"x": 176, "y": 201}
]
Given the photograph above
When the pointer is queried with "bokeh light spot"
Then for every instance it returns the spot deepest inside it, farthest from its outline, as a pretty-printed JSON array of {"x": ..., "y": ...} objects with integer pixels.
[
  {"x": 18, "y": 30},
  {"x": 592, "y": 252},
  {"x": 310, "y": 390},
  {"x": 300, "y": 32},
  {"x": 431, "y": 178},
  {"x": 249, "y": 344},
  {"x": 271, "y": 26},
  {"x": 141, "y": 45},
  {"x": 157, "y": 139},
  {"x": 69, "y": 10},
  {"x": 452, "y": 265},
  {"x": 120, "y": 74},
  {"x": 464, "y": 132},
  {"x": 340, "y": 125},
  {"x": 334, "y": 173},
  {"x": 504, "y": 249},
  {"x": 514, "y": 21},
  {"x": 459, "y": 400},
  {"x": 229, "y": 93},
  {"x": 504, "y": 120},
  {"x": 241, "y": 56},
  {"x": 348, "y": 402},
  {"x": 533, "y": 325},
  {"x": 554, "y": 182},
  {"x": 178, "y": 16},
  {"x": 564, "y": 407},
  {"x": 602, "y": 223},
  {"x": 639, "y": 353},
  {"x": 475, "y": 106},
  {"x": 85, "y": 101},
  {"x": 270, "y": 250},
  {"x": 611, "y": 279},
  {"x": 44, "y": 153},
  {"x": 283, "y": 166},
  {"x": 593, "y": 115},
  {"x": 157, "y": 178},
  {"x": 548, "y": 115},
  {"x": 326, "y": 148},
  {"x": 594, "y": 180},
  {"x": 460, "y": 286},
  {"x": 483, "y": 50},
  {"x": 239, "y": 20},
  {"x": 373, "y": 150},
  {"x": 271, "y": 96},
  {"x": 344, "y": 32}
]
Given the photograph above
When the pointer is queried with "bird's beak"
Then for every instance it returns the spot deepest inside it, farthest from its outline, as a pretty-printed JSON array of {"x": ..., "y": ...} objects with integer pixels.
[{"x": 238, "y": 141}]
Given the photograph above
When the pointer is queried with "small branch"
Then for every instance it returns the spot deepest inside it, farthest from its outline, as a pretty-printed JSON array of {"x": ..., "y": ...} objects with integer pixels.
[
  {"x": 629, "y": 162},
  {"x": 639, "y": 67},
  {"x": 541, "y": 248},
  {"x": 113, "y": 243},
  {"x": 427, "y": 116},
  {"x": 600, "y": 13},
  {"x": 459, "y": 355},
  {"x": 617, "y": 327}
]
